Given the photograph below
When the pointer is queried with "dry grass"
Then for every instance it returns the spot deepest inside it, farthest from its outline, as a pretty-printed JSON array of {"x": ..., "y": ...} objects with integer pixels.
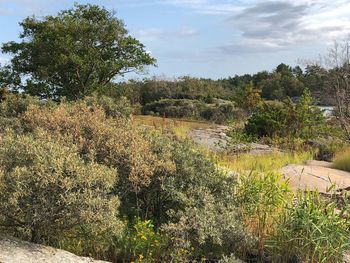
[
  {"x": 262, "y": 163},
  {"x": 179, "y": 127},
  {"x": 342, "y": 160}
]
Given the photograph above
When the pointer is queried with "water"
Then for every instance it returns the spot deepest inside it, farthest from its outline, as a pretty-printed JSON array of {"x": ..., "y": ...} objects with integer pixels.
[{"x": 327, "y": 110}]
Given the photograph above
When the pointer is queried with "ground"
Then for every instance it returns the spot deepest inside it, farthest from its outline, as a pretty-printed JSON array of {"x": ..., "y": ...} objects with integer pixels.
[{"x": 17, "y": 251}]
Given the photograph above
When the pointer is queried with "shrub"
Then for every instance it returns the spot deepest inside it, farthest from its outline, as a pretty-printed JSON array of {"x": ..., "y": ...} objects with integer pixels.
[
  {"x": 180, "y": 190},
  {"x": 111, "y": 142},
  {"x": 327, "y": 148},
  {"x": 116, "y": 108},
  {"x": 268, "y": 119},
  {"x": 48, "y": 192},
  {"x": 141, "y": 242},
  {"x": 193, "y": 109},
  {"x": 12, "y": 105},
  {"x": 310, "y": 230},
  {"x": 194, "y": 203},
  {"x": 182, "y": 108},
  {"x": 285, "y": 119}
]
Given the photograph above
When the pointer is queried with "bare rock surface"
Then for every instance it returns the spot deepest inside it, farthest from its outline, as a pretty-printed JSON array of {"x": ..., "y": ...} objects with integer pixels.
[
  {"x": 315, "y": 175},
  {"x": 13, "y": 250},
  {"x": 215, "y": 139}
]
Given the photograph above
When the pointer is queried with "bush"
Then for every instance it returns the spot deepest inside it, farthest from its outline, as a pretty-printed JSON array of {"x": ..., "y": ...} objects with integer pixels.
[
  {"x": 192, "y": 109},
  {"x": 141, "y": 242},
  {"x": 175, "y": 108},
  {"x": 268, "y": 119},
  {"x": 116, "y": 108},
  {"x": 310, "y": 230},
  {"x": 276, "y": 119},
  {"x": 180, "y": 190},
  {"x": 48, "y": 192}
]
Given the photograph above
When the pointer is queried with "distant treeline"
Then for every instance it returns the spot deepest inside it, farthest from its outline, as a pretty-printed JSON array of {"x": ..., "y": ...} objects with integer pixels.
[{"x": 284, "y": 81}]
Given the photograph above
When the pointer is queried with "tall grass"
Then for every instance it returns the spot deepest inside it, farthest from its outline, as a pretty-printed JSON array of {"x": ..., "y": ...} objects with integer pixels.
[
  {"x": 180, "y": 128},
  {"x": 310, "y": 230},
  {"x": 342, "y": 160},
  {"x": 273, "y": 161}
]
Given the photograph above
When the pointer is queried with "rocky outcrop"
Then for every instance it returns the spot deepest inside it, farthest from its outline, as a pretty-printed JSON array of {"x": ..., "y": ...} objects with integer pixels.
[
  {"x": 315, "y": 175},
  {"x": 17, "y": 251}
]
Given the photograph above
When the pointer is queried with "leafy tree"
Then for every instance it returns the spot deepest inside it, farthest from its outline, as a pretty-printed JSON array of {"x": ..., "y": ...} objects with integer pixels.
[{"x": 76, "y": 52}]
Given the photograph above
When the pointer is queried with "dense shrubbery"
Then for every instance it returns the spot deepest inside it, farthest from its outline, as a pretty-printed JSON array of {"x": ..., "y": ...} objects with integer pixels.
[
  {"x": 48, "y": 191},
  {"x": 192, "y": 109},
  {"x": 75, "y": 169},
  {"x": 286, "y": 119}
]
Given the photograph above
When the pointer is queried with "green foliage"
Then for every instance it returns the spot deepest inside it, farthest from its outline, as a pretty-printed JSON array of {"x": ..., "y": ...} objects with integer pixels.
[
  {"x": 192, "y": 109},
  {"x": 75, "y": 52},
  {"x": 11, "y": 107},
  {"x": 141, "y": 243},
  {"x": 311, "y": 230},
  {"x": 48, "y": 192},
  {"x": 276, "y": 119},
  {"x": 175, "y": 108},
  {"x": 269, "y": 119},
  {"x": 248, "y": 97},
  {"x": 261, "y": 197},
  {"x": 116, "y": 108}
]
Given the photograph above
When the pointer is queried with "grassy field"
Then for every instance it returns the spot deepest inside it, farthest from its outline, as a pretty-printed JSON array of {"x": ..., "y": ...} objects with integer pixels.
[{"x": 179, "y": 127}]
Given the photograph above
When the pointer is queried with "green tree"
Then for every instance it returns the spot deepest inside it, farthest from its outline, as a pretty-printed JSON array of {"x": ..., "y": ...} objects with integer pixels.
[{"x": 76, "y": 52}]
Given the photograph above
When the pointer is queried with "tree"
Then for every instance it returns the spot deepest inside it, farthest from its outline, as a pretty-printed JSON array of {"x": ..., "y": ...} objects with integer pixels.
[
  {"x": 337, "y": 75},
  {"x": 248, "y": 97},
  {"x": 76, "y": 52},
  {"x": 332, "y": 73}
]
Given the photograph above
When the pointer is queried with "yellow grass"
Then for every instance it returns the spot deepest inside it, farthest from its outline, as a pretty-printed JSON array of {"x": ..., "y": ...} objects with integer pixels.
[
  {"x": 178, "y": 126},
  {"x": 342, "y": 160},
  {"x": 262, "y": 163}
]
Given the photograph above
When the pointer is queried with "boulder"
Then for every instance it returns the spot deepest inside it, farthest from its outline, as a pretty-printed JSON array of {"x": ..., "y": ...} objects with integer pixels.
[{"x": 13, "y": 250}]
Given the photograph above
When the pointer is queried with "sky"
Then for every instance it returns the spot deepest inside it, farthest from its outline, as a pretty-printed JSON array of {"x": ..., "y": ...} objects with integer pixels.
[{"x": 210, "y": 38}]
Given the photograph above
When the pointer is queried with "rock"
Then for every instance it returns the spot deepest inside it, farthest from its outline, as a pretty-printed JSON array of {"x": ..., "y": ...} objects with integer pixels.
[
  {"x": 13, "y": 250},
  {"x": 311, "y": 177},
  {"x": 319, "y": 163}
]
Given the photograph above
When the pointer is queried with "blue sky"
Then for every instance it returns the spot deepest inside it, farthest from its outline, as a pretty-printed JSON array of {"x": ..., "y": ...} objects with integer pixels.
[{"x": 211, "y": 38}]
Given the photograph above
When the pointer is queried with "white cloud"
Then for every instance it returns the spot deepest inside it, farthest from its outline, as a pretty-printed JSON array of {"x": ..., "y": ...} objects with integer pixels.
[{"x": 150, "y": 34}]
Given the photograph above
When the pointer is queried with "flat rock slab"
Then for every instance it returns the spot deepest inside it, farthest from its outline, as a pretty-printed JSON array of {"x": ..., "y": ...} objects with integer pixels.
[
  {"x": 214, "y": 139},
  {"x": 311, "y": 177},
  {"x": 17, "y": 251}
]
